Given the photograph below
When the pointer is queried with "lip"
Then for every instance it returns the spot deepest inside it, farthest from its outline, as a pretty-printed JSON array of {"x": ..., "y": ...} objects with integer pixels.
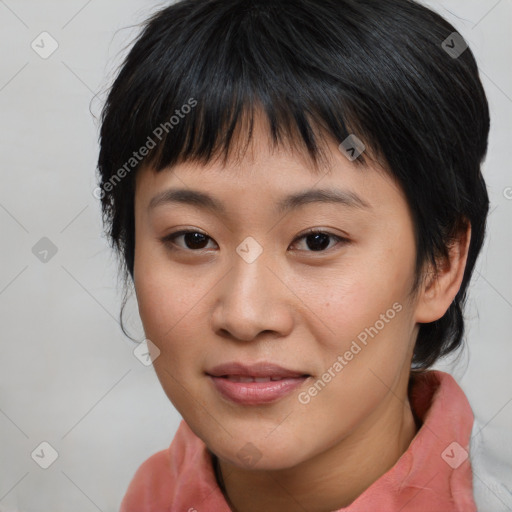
[
  {"x": 261, "y": 369},
  {"x": 255, "y": 393}
]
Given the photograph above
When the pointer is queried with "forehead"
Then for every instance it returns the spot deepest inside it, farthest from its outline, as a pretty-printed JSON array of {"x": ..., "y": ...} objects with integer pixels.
[{"x": 270, "y": 177}]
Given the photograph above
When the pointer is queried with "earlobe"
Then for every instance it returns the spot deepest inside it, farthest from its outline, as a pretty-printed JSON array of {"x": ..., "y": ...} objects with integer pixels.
[{"x": 439, "y": 290}]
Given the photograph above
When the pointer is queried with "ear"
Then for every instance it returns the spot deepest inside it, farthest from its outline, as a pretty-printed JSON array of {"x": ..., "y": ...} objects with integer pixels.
[{"x": 439, "y": 291}]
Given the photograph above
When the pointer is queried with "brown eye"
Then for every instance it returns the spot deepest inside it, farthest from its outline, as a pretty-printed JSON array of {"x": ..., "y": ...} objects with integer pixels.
[
  {"x": 193, "y": 240},
  {"x": 318, "y": 241}
]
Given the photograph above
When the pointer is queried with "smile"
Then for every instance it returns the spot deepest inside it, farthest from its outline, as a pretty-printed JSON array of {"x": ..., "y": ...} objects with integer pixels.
[{"x": 245, "y": 390}]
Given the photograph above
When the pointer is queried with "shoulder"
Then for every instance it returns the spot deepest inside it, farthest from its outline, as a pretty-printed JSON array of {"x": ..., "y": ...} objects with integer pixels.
[
  {"x": 173, "y": 476},
  {"x": 144, "y": 490}
]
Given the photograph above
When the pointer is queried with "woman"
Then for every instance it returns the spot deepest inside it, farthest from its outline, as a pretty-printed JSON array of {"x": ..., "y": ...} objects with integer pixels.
[{"x": 295, "y": 190}]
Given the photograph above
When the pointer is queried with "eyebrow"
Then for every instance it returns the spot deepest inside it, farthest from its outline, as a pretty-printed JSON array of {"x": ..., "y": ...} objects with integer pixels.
[{"x": 291, "y": 202}]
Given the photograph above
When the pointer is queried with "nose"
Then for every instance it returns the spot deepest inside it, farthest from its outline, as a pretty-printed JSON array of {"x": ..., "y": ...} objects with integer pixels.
[{"x": 253, "y": 299}]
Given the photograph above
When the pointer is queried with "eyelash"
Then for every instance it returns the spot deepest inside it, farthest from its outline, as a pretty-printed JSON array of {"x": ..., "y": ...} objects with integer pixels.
[{"x": 168, "y": 240}]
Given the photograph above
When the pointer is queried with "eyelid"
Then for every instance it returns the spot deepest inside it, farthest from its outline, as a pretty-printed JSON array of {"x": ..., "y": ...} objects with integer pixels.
[
  {"x": 167, "y": 240},
  {"x": 312, "y": 231},
  {"x": 324, "y": 231}
]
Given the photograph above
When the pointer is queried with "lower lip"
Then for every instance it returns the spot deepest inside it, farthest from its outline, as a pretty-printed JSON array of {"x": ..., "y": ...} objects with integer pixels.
[{"x": 256, "y": 393}]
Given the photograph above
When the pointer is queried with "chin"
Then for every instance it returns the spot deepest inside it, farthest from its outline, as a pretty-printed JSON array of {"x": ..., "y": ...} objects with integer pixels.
[{"x": 262, "y": 455}]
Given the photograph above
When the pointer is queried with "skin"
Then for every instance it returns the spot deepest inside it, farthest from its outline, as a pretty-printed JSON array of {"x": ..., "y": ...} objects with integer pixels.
[{"x": 293, "y": 306}]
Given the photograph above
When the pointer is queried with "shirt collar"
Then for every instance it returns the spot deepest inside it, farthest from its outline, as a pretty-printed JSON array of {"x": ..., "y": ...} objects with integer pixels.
[{"x": 434, "y": 473}]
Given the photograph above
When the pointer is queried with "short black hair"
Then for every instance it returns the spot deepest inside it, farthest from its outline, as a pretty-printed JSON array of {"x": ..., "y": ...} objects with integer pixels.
[{"x": 380, "y": 69}]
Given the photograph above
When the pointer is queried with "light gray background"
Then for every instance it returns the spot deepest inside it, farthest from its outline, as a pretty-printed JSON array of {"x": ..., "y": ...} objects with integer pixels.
[{"x": 68, "y": 375}]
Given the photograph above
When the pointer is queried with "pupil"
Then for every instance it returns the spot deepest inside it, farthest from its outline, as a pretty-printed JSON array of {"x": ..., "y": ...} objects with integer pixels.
[
  {"x": 318, "y": 245},
  {"x": 194, "y": 240},
  {"x": 319, "y": 241}
]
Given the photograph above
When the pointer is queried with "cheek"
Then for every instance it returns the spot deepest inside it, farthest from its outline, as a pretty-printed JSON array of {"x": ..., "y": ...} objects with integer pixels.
[
  {"x": 162, "y": 298},
  {"x": 361, "y": 363},
  {"x": 167, "y": 306},
  {"x": 356, "y": 299},
  {"x": 369, "y": 322},
  {"x": 160, "y": 291}
]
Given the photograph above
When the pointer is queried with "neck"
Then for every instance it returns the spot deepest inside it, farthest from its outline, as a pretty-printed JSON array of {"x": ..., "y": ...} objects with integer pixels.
[{"x": 333, "y": 478}]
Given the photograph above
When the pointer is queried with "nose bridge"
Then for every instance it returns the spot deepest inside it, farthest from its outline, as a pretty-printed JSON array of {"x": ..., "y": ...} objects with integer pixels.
[
  {"x": 252, "y": 298},
  {"x": 250, "y": 273}
]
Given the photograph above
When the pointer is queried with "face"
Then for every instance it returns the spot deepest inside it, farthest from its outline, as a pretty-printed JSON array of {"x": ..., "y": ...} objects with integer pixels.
[{"x": 248, "y": 284}]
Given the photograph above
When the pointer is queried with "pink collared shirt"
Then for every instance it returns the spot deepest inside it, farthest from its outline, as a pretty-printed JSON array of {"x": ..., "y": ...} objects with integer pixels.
[{"x": 433, "y": 475}]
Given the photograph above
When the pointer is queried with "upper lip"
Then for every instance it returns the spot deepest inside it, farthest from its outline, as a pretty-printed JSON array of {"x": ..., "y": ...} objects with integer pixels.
[{"x": 261, "y": 369}]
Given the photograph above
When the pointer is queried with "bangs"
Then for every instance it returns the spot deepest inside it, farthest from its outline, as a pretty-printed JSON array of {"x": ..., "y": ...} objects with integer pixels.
[
  {"x": 202, "y": 73},
  {"x": 194, "y": 93}
]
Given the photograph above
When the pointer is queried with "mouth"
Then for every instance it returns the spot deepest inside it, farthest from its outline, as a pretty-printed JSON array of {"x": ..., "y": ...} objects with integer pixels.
[
  {"x": 244, "y": 378},
  {"x": 255, "y": 384}
]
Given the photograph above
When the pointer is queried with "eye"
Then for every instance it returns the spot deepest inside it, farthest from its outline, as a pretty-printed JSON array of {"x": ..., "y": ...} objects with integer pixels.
[
  {"x": 194, "y": 240},
  {"x": 318, "y": 241}
]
